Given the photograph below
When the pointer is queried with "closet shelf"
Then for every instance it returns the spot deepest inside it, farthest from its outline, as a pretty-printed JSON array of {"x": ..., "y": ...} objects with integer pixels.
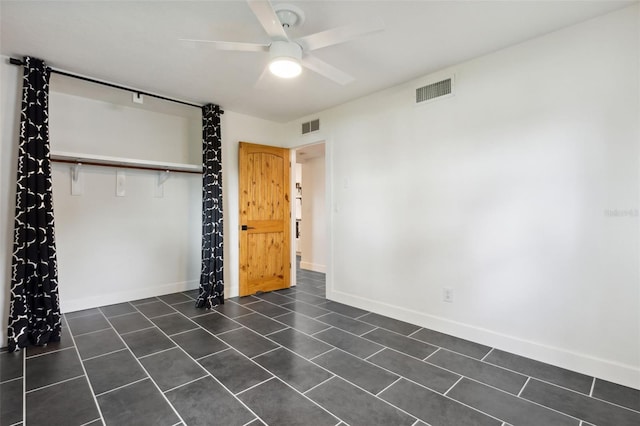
[{"x": 127, "y": 163}]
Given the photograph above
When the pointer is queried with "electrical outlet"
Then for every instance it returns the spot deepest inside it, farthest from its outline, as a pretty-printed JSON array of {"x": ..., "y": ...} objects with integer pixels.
[{"x": 447, "y": 294}]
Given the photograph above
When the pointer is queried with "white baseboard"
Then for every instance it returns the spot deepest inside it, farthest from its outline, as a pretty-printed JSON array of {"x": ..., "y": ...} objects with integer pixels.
[
  {"x": 626, "y": 375},
  {"x": 313, "y": 267},
  {"x": 71, "y": 305}
]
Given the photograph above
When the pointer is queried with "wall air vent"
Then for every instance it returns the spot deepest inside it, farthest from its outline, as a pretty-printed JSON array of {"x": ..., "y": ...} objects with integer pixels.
[
  {"x": 311, "y": 126},
  {"x": 434, "y": 90}
]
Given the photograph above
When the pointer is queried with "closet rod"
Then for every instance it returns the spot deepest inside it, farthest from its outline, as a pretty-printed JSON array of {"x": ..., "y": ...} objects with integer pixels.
[
  {"x": 14, "y": 61},
  {"x": 124, "y": 166}
]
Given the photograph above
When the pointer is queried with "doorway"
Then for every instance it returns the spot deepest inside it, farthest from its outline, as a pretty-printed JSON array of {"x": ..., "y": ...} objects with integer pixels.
[{"x": 310, "y": 212}]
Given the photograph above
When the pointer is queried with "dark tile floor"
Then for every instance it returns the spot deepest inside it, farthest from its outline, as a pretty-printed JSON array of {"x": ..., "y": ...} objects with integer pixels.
[{"x": 287, "y": 358}]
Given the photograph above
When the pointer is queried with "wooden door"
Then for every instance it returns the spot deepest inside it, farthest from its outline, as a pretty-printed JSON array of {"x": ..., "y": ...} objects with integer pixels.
[{"x": 265, "y": 257}]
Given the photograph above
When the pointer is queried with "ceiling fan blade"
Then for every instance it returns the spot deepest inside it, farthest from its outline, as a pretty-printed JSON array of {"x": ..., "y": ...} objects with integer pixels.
[
  {"x": 339, "y": 35},
  {"x": 326, "y": 70},
  {"x": 262, "y": 81},
  {"x": 268, "y": 19},
  {"x": 230, "y": 45}
]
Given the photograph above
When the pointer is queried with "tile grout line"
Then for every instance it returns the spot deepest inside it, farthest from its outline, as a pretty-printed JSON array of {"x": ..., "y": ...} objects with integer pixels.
[
  {"x": 277, "y": 331},
  {"x": 319, "y": 384},
  {"x": 101, "y": 355},
  {"x": 523, "y": 386},
  {"x": 319, "y": 355},
  {"x": 453, "y": 385},
  {"x": 211, "y": 354},
  {"x": 93, "y": 394},
  {"x": 118, "y": 315},
  {"x": 243, "y": 315},
  {"x": 144, "y": 303},
  {"x": 188, "y": 383},
  {"x": 182, "y": 332},
  {"x": 84, "y": 334},
  {"x": 92, "y": 421},
  {"x": 391, "y": 384},
  {"x": 120, "y": 387},
  {"x": 56, "y": 383},
  {"x": 431, "y": 354},
  {"x": 263, "y": 353},
  {"x": 164, "y": 315},
  {"x": 367, "y": 332},
  {"x": 88, "y": 314},
  {"x": 253, "y": 386},
  {"x": 320, "y": 331},
  {"x": 156, "y": 353},
  {"x": 373, "y": 354},
  {"x": 134, "y": 331},
  {"x": 593, "y": 385},
  {"x": 47, "y": 353},
  {"x": 14, "y": 379},
  {"x": 488, "y": 353}
]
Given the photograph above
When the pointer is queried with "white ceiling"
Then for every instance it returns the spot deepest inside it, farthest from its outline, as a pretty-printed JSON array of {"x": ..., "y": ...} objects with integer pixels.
[{"x": 135, "y": 43}]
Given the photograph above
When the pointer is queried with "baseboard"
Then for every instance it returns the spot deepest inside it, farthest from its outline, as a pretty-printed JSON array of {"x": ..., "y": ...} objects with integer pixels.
[
  {"x": 626, "y": 375},
  {"x": 71, "y": 305},
  {"x": 313, "y": 267}
]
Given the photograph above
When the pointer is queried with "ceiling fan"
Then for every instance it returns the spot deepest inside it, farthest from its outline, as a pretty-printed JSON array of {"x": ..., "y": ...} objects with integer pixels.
[{"x": 288, "y": 56}]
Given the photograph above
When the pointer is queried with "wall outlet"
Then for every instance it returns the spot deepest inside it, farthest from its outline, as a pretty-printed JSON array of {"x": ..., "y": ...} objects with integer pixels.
[{"x": 447, "y": 294}]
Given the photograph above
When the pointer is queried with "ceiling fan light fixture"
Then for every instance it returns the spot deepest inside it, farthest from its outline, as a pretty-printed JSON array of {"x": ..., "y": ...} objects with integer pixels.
[
  {"x": 285, "y": 59},
  {"x": 285, "y": 68}
]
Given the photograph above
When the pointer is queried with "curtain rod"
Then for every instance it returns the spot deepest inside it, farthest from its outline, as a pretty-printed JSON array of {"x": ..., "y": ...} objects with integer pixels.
[
  {"x": 123, "y": 166},
  {"x": 14, "y": 61}
]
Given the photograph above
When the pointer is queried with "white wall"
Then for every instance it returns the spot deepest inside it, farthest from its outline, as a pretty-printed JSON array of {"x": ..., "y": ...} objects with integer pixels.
[
  {"x": 313, "y": 239},
  {"x": 501, "y": 193}
]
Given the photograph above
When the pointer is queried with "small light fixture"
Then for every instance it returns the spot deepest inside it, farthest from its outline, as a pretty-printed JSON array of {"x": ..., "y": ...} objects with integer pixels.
[{"x": 285, "y": 59}]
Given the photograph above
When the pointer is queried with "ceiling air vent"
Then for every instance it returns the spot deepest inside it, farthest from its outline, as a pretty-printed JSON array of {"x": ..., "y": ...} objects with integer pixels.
[
  {"x": 434, "y": 90},
  {"x": 311, "y": 126}
]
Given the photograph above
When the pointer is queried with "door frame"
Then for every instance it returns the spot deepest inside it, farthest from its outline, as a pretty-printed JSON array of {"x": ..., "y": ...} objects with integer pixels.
[{"x": 329, "y": 210}]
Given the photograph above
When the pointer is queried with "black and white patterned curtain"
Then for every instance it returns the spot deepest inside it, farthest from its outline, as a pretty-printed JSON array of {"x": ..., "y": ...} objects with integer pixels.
[
  {"x": 34, "y": 313},
  {"x": 211, "y": 276}
]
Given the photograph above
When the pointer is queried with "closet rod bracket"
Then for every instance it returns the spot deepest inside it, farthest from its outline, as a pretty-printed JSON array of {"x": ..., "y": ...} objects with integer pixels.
[
  {"x": 163, "y": 176},
  {"x": 75, "y": 171}
]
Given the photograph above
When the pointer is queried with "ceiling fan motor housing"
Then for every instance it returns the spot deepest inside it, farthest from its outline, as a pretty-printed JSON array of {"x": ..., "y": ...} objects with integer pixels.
[{"x": 285, "y": 49}]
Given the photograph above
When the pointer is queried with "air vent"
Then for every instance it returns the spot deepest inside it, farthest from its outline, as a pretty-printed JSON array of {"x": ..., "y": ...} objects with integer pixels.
[
  {"x": 311, "y": 126},
  {"x": 434, "y": 90}
]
